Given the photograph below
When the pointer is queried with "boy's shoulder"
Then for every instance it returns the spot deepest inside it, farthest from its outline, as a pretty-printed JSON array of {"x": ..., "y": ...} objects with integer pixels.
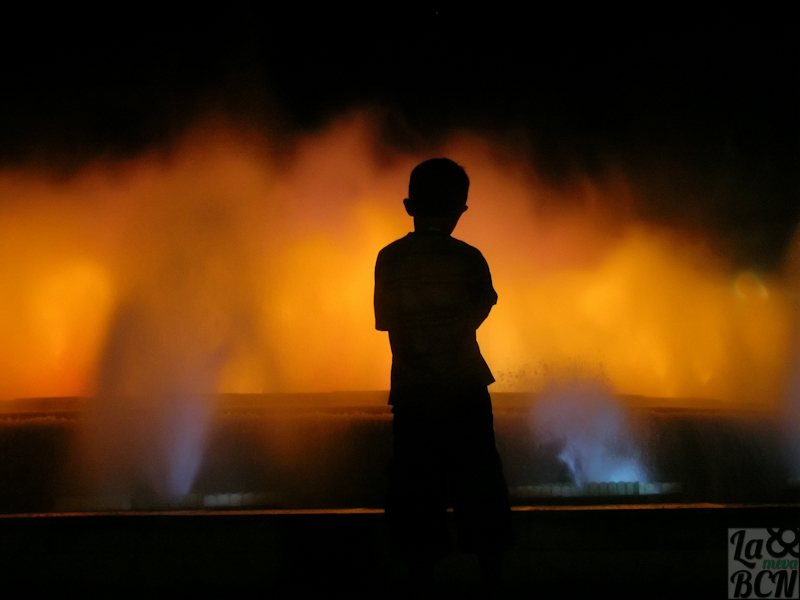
[{"x": 415, "y": 243}]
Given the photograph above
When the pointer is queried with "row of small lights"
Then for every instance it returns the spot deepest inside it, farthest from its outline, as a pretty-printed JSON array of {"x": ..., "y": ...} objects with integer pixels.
[{"x": 603, "y": 488}]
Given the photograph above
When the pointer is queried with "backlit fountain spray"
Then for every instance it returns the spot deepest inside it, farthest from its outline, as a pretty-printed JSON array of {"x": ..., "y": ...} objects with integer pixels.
[{"x": 153, "y": 283}]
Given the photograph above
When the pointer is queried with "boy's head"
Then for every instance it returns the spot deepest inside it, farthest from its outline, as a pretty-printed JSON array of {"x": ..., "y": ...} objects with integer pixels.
[{"x": 438, "y": 187}]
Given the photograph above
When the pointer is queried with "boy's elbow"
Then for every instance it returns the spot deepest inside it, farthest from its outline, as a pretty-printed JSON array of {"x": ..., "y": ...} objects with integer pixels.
[
  {"x": 478, "y": 318},
  {"x": 381, "y": 323}
]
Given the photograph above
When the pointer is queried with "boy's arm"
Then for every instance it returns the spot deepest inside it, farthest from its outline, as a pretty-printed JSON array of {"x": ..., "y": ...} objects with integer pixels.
[
  {"x": 484, "y": 295},
  {"x": 482, "y": 310},
  {"x": 481, "y": 313},
  {"x": 381, "y": 297}
]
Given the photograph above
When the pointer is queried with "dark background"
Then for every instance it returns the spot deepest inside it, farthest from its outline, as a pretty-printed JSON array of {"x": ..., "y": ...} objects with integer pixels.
[{"x": 702, "y": 118}]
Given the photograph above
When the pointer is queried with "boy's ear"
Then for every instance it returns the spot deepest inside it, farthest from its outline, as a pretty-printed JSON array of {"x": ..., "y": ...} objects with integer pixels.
[{"x": 409, "y": 207}]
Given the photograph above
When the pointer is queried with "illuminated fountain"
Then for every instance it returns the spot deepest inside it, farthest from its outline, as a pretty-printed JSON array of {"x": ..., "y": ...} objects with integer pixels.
[
  {"x": 153, "y": 284},
  {"x": 596, "y": 441},
  {"x": 594, "y": 431}
]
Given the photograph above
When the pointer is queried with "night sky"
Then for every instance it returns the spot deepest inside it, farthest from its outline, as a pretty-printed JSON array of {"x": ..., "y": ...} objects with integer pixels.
[{"x": 703, "y": 121}]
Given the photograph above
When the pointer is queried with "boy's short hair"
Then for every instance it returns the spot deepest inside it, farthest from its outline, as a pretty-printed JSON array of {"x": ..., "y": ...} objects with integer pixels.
[{"x": 438, "y": 187}]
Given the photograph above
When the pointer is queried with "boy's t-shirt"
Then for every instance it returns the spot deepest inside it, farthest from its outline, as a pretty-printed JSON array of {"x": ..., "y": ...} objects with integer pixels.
[{"x": 432, "y": 292}]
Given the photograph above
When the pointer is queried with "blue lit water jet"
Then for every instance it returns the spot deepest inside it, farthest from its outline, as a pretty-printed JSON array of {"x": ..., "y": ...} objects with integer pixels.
[{"x": 594, "y": 433}]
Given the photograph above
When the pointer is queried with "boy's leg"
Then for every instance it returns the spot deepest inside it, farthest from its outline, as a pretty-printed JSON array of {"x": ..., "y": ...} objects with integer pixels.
[
  {"x": 491, "y": 568},
  {"x": 416, "y": 504},
  {"x": 420, "y": 571},
  {"x": 479, "y": 491}
]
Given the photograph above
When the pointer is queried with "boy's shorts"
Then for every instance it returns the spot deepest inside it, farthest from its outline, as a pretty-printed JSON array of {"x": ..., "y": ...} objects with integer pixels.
[{"x": 445, "y": 453}]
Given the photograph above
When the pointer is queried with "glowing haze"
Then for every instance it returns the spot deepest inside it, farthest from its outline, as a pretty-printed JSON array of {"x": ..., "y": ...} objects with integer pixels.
[{"x": 219, "y": 266}]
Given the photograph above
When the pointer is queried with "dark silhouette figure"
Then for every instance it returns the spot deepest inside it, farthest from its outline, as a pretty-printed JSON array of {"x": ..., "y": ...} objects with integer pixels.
[{"x": 432, "y": 292}]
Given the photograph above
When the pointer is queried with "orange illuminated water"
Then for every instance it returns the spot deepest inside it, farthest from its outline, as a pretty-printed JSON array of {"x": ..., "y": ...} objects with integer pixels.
[{"x": 217, "y": 267}]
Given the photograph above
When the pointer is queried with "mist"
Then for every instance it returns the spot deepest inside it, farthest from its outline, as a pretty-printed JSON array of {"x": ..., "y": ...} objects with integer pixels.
[{"x": 217, "y": 267}]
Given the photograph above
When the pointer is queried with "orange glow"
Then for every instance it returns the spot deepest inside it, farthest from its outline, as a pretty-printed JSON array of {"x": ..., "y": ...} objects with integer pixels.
[{"x": 255, "y": 275}]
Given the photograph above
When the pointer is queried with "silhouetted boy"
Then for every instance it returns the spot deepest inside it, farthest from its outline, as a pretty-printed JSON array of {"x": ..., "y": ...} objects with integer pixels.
[{"x": 432, "y": 292}]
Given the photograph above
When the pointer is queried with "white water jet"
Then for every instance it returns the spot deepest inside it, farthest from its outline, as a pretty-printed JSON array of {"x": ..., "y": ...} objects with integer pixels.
[
  {"x": 149, "y": 423},
  {"x": 791, "y": 421},
  {"x": 593, "y": 431}
]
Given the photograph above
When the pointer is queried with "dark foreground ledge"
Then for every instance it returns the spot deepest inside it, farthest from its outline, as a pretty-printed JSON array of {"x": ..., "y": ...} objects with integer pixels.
[{"x": 626, "y": 551}]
